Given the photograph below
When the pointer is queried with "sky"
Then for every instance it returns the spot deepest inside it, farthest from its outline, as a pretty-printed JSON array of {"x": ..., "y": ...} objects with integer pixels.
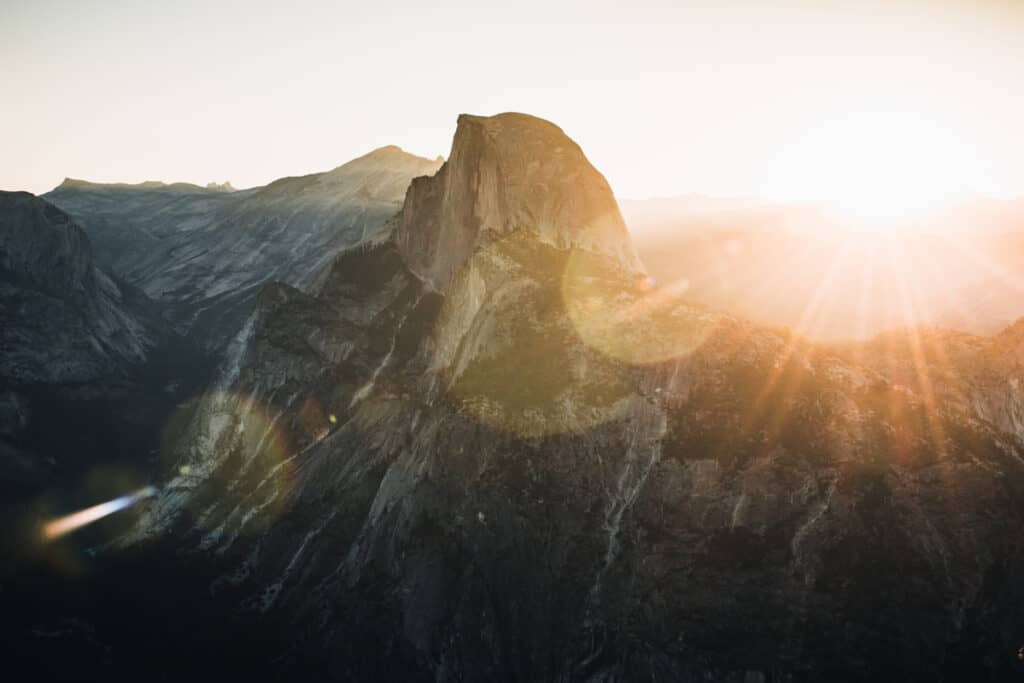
[{"x": 903, "y": 102}]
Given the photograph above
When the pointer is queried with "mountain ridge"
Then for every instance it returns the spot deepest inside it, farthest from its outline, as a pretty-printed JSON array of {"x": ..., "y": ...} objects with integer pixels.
[
  {"x": 529, "y": 466},
  {"x": 47, "y": 257},
  {"x": 492, "y": 185},
  {"x": 87, "y": 364},
  {"x": 203, "y": 254},
  {"x": 79, "y": 183}
]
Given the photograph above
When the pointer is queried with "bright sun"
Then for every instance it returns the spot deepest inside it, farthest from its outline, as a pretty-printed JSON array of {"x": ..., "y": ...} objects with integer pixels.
[{"x": 876, "y": 170}]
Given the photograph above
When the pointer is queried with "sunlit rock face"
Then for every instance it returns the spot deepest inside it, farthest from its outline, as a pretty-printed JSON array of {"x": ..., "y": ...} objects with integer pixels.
[
  {"x": 205, "y": 252},
  {"x": 998, "y": 389},
  {"x": 974, "y": 375},
  {"x": 512, "y": 458},
  {"x": 507, "y": 173}
]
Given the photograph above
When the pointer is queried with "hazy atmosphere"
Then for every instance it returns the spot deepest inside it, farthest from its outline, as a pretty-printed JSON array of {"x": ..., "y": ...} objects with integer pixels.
[
  {"x": 522, "y": 342},
  {"x": 784, "y": 100}
]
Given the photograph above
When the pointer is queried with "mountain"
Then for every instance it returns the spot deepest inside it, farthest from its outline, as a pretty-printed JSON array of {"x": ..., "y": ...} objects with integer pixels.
[
  {"x": 800, "y": 266},
  {"x": 64, "y": 320},
  {"x": 495, "y": 186},
  {"x": 483, "y": 447},
  {"x": 975, "y": 375},
  {"x": 64, "y": 324},
  {"x": 205, "y": 252},
  {"x": 89, "y": 374}
]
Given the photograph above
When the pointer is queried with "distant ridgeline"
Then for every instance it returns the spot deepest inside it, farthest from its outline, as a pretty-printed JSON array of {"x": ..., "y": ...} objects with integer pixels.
[
  {"x": 483, "y": 445},
  {"x": 456, "y": 432},
  {"x": 204, "y": 253}
]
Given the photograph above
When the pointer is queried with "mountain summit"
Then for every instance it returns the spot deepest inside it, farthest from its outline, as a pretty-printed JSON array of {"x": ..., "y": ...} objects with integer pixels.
[
  {"x": 205, "y": 253},
  {"x": 62, "y": 319},
  {"x": 507, "y": 173},
  {"x": 481, "y": 449}
]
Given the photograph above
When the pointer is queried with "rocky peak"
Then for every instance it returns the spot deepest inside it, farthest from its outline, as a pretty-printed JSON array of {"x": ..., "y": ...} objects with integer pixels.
[
  {"x": 62, "y": 319},
  {"x": 72, "y": 184},
  {"x": 386, "y": 152},
  {"x": 1012, "y": 333},
  {"x": 391, "y": 158},
  {"x": 378, "y": 176},
  {"x": 553, "y": 474},
  {"x": 507, "y": 173},
  {"x": 42, "y": 247}
]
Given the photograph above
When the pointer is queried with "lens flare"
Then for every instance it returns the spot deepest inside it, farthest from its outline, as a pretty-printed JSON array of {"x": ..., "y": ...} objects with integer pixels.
[
  {"x": 245, "y": 447},
  {"x": 62, "y": 526},
  {"x": 640, "y": 323}
]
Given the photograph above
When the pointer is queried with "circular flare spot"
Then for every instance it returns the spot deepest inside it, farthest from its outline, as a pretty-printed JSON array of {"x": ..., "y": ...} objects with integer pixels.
[
  {"x": 630, "y": 318},
  {"x": 510, "y": 356},
  {"x": 234, "y": 452}
]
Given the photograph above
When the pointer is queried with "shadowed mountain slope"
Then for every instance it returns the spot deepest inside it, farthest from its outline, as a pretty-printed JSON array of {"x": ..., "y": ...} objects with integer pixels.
[
  {"x": 205, "y": 253},
  {"x": 64, "y": 320},
  {"x": 518, "y": 461},
  {"x": 89, "y": 371}
]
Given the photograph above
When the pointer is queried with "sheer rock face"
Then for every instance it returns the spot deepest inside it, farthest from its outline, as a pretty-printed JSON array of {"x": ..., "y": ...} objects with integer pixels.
[
  {"x": 545, "y": 472},
  {"x": 204, "y": 253},
  {"x": 61, "y": 318},
  {"x": 72, "y": 339},
  {"x": 44, "y": 248},
  {"x": 506, "y": 173}
]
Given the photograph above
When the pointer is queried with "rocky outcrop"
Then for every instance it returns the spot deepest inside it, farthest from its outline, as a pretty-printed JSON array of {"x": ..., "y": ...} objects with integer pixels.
[
  {"x": 204, "y": 253},
  {"x": 62, "y": 319},
  {"x": 980, "y": 376},
  {"x": 508, "y": 173},
  {"x": 515, "y": 460},
  {"x": 80, "y": 353}
]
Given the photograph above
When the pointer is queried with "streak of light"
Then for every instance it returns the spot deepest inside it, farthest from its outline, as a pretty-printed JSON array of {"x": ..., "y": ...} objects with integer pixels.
[
  {"x": 60, "y": 526},
  {"x": 811, "y": 313}
]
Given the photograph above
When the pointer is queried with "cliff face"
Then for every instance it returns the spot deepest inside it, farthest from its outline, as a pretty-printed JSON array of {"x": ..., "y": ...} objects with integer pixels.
[
  {"x": 204, "y": 253},
  {"x": 997, "y": 393},
  {"x": 62, "y": 319},
  {"x": 73, "y": 341},
  {"x": 495, "y": 183},
  {"x": 43, "y": 248},
  {"x": 511, "y": 459},
  {"x": 971, "y": 374}
]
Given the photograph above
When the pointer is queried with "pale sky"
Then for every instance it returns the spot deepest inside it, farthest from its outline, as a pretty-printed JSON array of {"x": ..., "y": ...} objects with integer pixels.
[{"x": 783, "y": 100}]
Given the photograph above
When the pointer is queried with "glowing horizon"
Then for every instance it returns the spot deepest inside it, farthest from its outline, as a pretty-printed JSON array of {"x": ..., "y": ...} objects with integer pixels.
[{"x": 879, "y": 109}]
